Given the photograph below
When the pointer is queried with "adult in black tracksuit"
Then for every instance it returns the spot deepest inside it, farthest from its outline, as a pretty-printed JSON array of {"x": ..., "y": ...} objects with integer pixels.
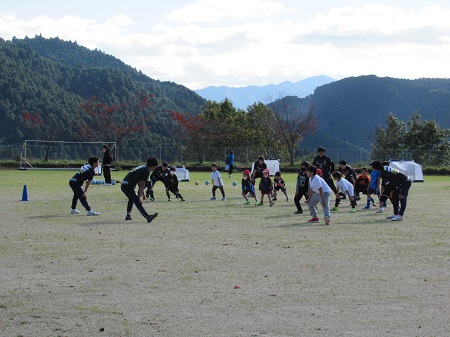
[
  {"x": 106, "y": 164},
  {"x": 85, "y": 174},
  {"x": 138, "y": 176},
  {"x": 326, "y": 164},
  {"x": 159, "y": 174}
]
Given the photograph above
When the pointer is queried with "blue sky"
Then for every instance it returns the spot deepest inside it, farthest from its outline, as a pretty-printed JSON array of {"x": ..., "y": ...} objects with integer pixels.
[{"x": 200, "y": 43}]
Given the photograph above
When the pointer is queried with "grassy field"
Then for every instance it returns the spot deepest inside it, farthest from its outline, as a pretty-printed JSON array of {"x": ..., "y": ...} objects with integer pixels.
[{"x": 218, "y": 268}]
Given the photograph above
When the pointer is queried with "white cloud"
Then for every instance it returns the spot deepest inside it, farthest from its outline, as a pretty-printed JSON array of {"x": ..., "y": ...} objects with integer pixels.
[{"x": 240, "y": 43}]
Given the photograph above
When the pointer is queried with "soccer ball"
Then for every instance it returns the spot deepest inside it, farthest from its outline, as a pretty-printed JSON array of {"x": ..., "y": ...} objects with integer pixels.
[
  {"x": 206, "y": 182},
  {"x": 196, "y": 182},
  {"x": 234, "y": 183}
]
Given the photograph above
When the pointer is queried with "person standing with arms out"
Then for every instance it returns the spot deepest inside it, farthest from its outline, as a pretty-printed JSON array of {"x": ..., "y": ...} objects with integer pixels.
[
  {"x": 302, "y": 187},
  {"x": 229, "y": 162},
  {"x": 106, "y": 165},
  {"x": 138, "y": 176},
  {"x": 326, "y": 164},
  {"x": 217, "y": 182},
  {"x": 258, "y": 167},
  {"x": 319, "y": 191},
  {"x": 86, "y": 174}
]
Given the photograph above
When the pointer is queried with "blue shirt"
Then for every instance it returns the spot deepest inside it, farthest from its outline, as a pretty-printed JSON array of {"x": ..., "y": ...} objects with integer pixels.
[{"x": 374, "y": 175}]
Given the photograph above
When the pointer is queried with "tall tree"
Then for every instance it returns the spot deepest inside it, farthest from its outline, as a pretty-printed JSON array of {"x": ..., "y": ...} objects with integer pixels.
[
  {"x": 427, "y": 141},
  {"x": 292, "y": 121},
  {"x": 389, "y": 142}
]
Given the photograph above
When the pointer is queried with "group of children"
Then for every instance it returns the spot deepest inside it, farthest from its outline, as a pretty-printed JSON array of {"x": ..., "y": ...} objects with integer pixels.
[{"x": 314, "y": 183}]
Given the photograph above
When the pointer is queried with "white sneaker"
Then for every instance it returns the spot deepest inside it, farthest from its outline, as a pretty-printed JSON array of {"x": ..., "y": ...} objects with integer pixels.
[
  {"x": 379, "y": 210},
  {"x": 327, "y": 220},
  {"x": 74, "y": 211},
  {"x": 92, "y": 212},
  {"x": 397, "y": 218},
  {"x": 391, "y": 216}
]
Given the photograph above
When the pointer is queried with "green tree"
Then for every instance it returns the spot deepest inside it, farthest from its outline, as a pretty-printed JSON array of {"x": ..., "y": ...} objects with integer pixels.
[
  {"x": 390, "y": 141},
  {"x": 427, "y": 141}
]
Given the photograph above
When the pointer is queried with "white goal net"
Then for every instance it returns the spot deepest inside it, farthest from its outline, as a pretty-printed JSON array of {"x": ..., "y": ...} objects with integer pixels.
[{"x": 46, "y": 153}]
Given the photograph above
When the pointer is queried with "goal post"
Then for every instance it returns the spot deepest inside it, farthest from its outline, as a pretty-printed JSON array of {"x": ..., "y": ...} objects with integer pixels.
[{"x": 46, "y": 151}]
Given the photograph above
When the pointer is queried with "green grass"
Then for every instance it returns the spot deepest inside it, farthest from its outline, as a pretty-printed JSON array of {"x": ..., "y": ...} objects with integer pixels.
[{"x": 65, "y": 274}]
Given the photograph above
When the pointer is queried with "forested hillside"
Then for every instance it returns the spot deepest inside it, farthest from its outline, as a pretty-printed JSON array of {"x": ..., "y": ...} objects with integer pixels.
[
  {"x": 52, "y": 78},
  {"x": 352, "y": 108}
]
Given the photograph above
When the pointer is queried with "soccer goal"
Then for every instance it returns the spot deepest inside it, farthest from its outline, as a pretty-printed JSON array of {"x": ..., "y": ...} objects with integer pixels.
[{"x": 45, "y": 152}]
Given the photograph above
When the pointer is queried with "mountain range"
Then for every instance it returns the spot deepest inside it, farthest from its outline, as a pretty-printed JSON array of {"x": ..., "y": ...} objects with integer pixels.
[
  {"x": 52, "y": 77},
  {"x": 242, "y": 97}
]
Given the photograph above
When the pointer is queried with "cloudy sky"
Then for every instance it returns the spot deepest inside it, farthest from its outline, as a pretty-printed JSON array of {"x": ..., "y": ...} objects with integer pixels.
[{"x": 200, "y": 43}]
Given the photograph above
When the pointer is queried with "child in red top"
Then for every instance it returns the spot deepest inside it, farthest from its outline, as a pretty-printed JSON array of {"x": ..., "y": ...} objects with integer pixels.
[{"x": 362, "y": 183}]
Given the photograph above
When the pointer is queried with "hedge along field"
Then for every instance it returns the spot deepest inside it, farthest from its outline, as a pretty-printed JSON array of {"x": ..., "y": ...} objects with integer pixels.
[{"x": 218, "y": 268}]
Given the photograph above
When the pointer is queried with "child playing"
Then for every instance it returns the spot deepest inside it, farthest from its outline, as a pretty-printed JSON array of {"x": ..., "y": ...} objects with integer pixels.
[
  {"x": 159, "y": 174},
  {"x": 266, "y": 187},
  {"x": 138, "y": 176},
  {"x": 374, "y": 188},
  {"x": 345, "y": 187},
  {"x": 86, "y": 174},
  {"x": 217, "y": 182},
  {"x": 247, "y": 187},
  {"x": 302, "y": 187},
  {"x": 319, "y": 191},
  {"x": 171, "y": 183},
  {"x": 400, "y": 185},
  {"x": 362, "y": 183},
  {"x": 279, "y": 184}
]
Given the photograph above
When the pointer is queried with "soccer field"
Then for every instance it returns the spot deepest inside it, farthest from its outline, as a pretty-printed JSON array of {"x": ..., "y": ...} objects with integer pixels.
[{"x": 218, "y": 268}]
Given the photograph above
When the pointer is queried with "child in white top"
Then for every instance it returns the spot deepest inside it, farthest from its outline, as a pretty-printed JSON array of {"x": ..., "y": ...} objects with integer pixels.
[
  {"x": 217, "y": 182},
  {"x": 346, "y": 187},
  {"x": 319, "y": 191}
]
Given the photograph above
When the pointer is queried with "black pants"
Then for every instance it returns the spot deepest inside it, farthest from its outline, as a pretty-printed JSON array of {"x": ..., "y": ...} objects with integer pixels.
[
  {"x": 214, "y": 188},
  {"x": 297, "y": 199},
  {"x": 133, "y": 198},
  {"x": 107, "y": 174},
  {"x": 230, "y": 169},
  {"x": 330, "y": 182},
  {"x": 78, "y": 194}
]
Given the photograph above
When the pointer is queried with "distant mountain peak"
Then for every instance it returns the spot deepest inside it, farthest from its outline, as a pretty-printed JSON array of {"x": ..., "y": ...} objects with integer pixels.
[{"x": 242, "y": 97}]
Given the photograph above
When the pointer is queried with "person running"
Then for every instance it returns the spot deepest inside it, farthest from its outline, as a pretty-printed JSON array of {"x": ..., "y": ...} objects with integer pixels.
[
  {"x": 138, "y": 176},
  {"x": 301, "y": 187},
  {"x": 326, "y": 164},
  {"x": 319, "y": 192},
  {"x": 85, "y": 174},
  {"x": 400, "y": 185},
  {"x": 217, "y": 182},
  {"x": 229, "y": 163}
]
